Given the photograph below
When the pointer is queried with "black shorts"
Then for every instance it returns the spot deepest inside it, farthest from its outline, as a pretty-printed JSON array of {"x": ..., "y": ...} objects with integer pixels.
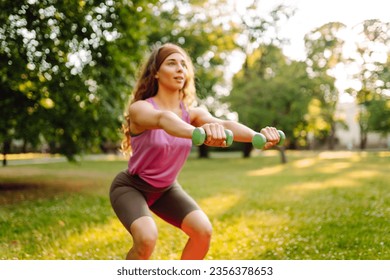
[{"x": 131, "y": 198}]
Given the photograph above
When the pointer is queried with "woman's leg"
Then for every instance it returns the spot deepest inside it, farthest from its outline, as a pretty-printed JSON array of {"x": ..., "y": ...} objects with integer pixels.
[
  {"x": 132, "y": 210},
  {"x": 198, "y": 227},
  {"x": 179, "y": 209},
  {"x": 144, "y": 233}
]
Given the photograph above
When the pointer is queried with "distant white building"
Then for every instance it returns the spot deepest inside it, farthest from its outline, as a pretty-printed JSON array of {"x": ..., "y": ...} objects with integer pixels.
[{"x": 350, "y": 138}]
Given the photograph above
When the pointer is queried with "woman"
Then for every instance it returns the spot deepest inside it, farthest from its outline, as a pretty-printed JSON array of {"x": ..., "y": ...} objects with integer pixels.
[{"x": 160, "y": 123}]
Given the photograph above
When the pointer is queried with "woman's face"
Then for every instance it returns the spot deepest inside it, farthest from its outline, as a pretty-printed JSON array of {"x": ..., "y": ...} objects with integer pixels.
[{"x": 172, "y": 74}]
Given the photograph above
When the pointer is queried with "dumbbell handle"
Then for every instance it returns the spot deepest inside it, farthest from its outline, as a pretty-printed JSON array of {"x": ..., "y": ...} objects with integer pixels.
[
  {"x": 259, "y": 140},
  {"x": 199, "y": 136}
]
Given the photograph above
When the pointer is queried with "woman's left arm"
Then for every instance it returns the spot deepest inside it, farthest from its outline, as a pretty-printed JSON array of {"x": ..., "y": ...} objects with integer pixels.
[{"x": 241, "y": 133}]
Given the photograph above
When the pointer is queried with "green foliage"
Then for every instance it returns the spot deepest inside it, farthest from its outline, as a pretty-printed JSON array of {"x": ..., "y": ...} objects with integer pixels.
[
  {"x": 327, "y": 206},
  {"x": 324, "y": 48},
  {"x": 271, "y": 90},
  {"x": 379, "y": 118},
  {"x": 66, "y": 69},
  {"x": 372, "y": 97}
]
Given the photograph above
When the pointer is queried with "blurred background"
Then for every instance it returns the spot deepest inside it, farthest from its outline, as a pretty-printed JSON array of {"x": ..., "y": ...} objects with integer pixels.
[{"x": 318, "y": 70}]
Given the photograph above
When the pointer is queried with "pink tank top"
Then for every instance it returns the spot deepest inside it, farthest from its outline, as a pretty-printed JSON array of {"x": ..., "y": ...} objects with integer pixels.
[{"x": 157, "y": 156}]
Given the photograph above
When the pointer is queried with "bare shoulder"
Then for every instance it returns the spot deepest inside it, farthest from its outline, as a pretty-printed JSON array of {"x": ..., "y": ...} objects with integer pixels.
[
  {"x": 140, "y": 106},
  {"x": 139, "y": 109},
  {"x": 142, "y": 116}
]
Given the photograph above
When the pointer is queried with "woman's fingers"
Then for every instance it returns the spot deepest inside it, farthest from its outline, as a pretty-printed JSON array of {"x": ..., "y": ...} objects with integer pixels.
[
  {"x": 215, "y": 135},
  {"x": 272, "y": 135}
]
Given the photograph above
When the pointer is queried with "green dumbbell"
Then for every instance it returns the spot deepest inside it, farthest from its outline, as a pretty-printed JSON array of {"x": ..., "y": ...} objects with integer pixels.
[
  {"x": 199, "y": 136},
  {"x": 229, "y": 137},
  {"x": 259, "y": 140}
]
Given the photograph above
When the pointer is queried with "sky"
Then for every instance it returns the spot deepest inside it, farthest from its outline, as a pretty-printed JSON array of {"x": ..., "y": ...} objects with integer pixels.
[{"x": 311, "y": 14}]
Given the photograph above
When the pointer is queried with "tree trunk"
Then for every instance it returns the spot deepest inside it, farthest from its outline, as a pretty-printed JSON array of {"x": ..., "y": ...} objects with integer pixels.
[
  {"x": 247, "y": 149},
  {"x": 52, "y": 147},
  {"x": 24, "y": 147},
  {"x": 363, "y": 141},
  {"x": 6, "y": 150},
  {"x": 363, "y": 134},
  {"x": 203, "y": 151},
  {"x": 332, "y": 137},
  {"x": 283, "y": 156}
]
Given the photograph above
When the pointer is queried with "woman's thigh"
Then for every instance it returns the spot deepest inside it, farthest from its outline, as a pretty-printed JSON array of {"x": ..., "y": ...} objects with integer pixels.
[
  {"x": 174, "y": 205},
  {"x": 128, "y": 203}
]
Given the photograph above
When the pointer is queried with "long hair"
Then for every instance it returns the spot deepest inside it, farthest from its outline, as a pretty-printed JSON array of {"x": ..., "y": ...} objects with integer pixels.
[{"x": 147, "y": 85}]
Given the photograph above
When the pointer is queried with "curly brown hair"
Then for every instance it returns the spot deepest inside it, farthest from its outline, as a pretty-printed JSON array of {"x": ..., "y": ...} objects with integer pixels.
[{"x": 147, "y": 85}]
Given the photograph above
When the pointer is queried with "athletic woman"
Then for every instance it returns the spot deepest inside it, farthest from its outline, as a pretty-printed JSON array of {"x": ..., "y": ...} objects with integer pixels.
[{"x": 159, "y": 122}]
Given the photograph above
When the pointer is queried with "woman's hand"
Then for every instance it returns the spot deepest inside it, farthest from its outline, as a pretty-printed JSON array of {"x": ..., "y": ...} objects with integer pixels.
[
  {"x": 272, "y": 135},
  {"x": 215, "y": 135}
]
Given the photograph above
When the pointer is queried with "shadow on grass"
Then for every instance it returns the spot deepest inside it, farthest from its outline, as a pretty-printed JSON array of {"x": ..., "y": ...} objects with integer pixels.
[
  {"x": 333, "y": 208},
  {"x": 39, "y": 229},
  {"x": 44, "y": 206},
  {"x": 16, "y": 192}
]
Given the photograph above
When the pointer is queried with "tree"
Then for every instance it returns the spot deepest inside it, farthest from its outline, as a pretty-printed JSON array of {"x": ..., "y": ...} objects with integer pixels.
[
  {"x": 379, "y": 120},
  {"x": 371, "y": 60},
  {"x": 272, "y": 90},
  {"x": 324, "y": 47},
  {"x": 66, "y": 68},
  {"x": 380, "y": 106},
  {"x": 73, "y": 63},
  {"x": 254, "y": 31}
]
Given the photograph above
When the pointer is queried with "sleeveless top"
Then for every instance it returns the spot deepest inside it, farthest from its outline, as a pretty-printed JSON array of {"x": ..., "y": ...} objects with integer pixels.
[{"x": 157, "y": 156}]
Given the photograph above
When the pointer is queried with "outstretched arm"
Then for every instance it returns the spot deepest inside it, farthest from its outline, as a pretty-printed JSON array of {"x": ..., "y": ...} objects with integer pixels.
[{"x": 241, "y": 133}]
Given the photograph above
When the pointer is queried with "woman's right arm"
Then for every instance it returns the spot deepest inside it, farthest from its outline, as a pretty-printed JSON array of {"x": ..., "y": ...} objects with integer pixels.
[{"x": 144, "y": 116}]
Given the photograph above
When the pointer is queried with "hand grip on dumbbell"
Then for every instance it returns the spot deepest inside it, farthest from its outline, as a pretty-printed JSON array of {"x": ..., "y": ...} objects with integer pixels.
[
  {"x": 259, "y": 140},
  {"x": 199, "y": 136}
]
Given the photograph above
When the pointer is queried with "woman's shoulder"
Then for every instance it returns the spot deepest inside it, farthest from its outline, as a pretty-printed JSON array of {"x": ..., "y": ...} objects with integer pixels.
[{"x": 141, "y": 104}]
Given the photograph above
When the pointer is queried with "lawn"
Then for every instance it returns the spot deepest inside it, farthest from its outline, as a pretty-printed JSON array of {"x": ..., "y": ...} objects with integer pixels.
[{"x": 320, "y": 205}]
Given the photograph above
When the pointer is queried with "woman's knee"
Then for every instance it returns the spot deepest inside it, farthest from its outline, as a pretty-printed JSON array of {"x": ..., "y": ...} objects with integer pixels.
[
  {"x": 145, "y": 234},
  {"x": 206, "y": 231},
  {"x": 197, "y": 225}
]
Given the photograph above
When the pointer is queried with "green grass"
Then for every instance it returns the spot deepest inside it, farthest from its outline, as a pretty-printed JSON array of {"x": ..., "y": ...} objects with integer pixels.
[{"x": 324, "y": 205}]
